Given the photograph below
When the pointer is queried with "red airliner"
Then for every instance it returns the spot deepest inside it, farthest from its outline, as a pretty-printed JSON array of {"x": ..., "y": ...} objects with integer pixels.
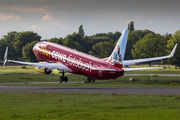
[{"x": 55, "y": 56}]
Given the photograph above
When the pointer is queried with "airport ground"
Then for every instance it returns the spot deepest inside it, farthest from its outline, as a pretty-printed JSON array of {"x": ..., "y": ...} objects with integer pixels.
[{"x": 111, "y": 105}]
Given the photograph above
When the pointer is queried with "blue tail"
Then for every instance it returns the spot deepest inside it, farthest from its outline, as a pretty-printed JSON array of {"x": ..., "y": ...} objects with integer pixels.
[{"x": 118, "y": 53}]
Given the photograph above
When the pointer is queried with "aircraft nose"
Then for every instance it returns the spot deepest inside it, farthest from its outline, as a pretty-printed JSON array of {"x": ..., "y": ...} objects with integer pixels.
[{"x": 34, "y": 47}]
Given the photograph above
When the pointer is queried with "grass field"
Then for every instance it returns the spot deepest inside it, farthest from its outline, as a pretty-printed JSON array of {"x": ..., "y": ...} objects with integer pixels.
[
  {"x": 29, "y": 74},
  {"x": 88, "y": 106},
  {"x": 138, "y": 81},
  {"x": 31, "y": 69},
  {"x": 76, "y": 106}
]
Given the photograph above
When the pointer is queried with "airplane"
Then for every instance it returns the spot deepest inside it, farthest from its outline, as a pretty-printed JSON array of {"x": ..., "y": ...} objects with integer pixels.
[{"x": 55, "y": 56}]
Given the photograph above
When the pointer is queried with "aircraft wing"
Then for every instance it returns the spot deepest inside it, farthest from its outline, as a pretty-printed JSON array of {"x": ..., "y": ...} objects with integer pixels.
[
  {"x": 128, "y": 69},
  {"x": 50, "y": 66},
  {"x": 111, "y": 70},
  {"x": 130, "y": 62},
  {"x": 133, "y": 69}
]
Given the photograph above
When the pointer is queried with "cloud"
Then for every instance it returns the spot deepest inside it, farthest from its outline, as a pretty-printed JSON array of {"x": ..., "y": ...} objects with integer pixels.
[
  {"x": 49, "y": 19},
  {"x": 34, "y": 27},
  {"x": 6, "y": 17},
  {"x": 28, "y": 9},
  {"x": 150, "y": 23},
  {"x": 46, "y": 17}
]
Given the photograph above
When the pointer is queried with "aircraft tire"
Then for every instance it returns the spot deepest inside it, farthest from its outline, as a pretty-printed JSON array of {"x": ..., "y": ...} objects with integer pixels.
[
  {"x": 65, "y": 79},
  {"x": 89, "y": 79},
  {"x": 61, "y": 79},
  {"x": 93, "y": 80}
]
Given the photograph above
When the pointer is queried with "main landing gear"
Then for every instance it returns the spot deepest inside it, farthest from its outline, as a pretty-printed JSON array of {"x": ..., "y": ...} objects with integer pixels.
[
  {"x": 89, "y": 80},
  {"x": 63, "y": 78}
]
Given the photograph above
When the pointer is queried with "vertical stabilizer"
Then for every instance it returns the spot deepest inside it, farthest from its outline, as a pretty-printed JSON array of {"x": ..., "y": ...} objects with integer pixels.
[{"x": 118, "y": 53}]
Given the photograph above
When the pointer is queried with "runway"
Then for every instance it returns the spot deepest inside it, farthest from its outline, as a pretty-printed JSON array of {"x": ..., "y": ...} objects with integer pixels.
[{"x": 78, "y": 89}]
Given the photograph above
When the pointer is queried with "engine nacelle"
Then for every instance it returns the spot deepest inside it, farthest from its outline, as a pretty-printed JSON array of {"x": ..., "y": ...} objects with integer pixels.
[{"x": 44, "y": 70}]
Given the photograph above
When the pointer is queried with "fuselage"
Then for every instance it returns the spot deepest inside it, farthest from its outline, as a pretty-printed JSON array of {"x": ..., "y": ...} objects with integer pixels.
[{"x": 78, "y": 62}]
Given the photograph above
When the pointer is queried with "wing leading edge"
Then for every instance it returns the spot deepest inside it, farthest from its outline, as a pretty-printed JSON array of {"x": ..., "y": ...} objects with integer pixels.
[
  {"x": 134, "y": 69},
  {"x": 50, "y": 66}
]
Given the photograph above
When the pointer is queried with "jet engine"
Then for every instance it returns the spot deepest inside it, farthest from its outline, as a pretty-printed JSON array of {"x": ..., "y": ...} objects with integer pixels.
[{"x": 44, "y": 70}]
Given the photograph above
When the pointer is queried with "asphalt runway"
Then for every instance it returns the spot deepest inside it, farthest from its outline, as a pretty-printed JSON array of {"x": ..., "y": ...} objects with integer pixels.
[{"x": 77, "y": 89}]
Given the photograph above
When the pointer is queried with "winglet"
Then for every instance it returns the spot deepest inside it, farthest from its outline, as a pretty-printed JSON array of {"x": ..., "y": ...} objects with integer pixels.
[
  {"x": 173, "y": 51},
  {"x": 5, "y": 56}
]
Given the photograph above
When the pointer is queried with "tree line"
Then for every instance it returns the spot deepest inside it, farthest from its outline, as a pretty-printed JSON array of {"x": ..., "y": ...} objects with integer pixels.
[{"x": 140, "y": 44}]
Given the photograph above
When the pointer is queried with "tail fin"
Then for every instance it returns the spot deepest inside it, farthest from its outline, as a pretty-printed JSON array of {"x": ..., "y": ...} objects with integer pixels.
[{"x": 118, "y": 53}]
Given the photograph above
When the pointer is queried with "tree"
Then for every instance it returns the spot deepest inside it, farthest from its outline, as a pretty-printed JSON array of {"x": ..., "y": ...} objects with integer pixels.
[
  {"x": 102, "y": 49},
  {"x": 114, "y": 36},
  {"x": 7, "y": 41},
  {"x": 3, "y": 46},
  {"x": 22, "y": 39},
  {"x": 56, "y": 40},
  {"x": 74, "y": 41},
  {"x": 95, "y": 42},
  {"x": 131, "y": 26},
  {"x": 151, "y": 45},
  {"x": 167, "y": 37},
  {"x": 87, "y": 44},
  {"x": 173, "y": 40},
  {"x": 27, "y": 52},
  {"x": 81, "y": 30},
  {"x": 133, "y": 37},
  {"x": 89, "y": 41}
]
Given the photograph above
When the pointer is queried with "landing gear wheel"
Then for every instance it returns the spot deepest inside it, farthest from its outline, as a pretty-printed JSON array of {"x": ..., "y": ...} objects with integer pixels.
[
  {"x": 61, "y": 79},
  {"x": 89, "y": 79},
  {"x": 65, "y": 79},
  {"x": 93, "y": 80}
]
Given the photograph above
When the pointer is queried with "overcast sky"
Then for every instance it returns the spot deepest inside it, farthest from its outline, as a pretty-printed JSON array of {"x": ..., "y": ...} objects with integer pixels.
[{"x": 57, "y": 18}]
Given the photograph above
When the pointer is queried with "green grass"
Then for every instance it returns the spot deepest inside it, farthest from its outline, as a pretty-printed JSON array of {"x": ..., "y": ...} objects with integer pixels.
[
  {"x": 88, "y": 106},
  {"x": 138, "y": 81},
  {"x": 81, "y": 106},
  {"x": 17, "y": 69},
  {"x": 25, "y": 77},
  {"x": 22, "y": 74},
  {"x": 21, "y": 69},
  {"x": 31, "y": 69}
]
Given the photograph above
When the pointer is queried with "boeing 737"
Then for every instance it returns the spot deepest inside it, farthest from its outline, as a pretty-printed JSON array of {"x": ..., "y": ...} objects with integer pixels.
[{"x": 55, "y": 56}]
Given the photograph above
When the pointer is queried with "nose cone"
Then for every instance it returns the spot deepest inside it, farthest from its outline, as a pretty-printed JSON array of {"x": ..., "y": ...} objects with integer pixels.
[
  {"x": 35, "y": 51},
  {"x": 34, "y": 48}
]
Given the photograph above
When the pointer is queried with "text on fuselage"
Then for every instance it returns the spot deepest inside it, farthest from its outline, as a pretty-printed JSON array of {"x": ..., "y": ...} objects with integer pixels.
[{"x": 70, "y": 59}]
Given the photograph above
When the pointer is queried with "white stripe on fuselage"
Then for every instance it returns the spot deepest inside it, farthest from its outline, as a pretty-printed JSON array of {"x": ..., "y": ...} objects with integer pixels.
[{"x": 71, "y": 60}]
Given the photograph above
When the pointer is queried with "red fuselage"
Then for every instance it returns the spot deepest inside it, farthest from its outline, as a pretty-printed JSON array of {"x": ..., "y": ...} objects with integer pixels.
[{"x": 78, "y": 62}]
